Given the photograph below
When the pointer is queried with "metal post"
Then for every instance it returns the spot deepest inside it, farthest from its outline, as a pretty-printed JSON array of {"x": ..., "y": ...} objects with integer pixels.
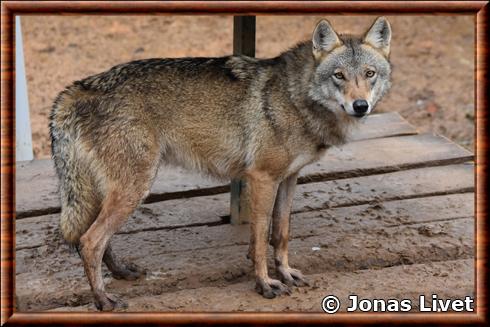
[
  {"x": 243, "y": 44},
  {"x": 23, "y": 136}
]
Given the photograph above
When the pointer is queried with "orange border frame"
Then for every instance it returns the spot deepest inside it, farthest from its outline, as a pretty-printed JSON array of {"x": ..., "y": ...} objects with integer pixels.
[{"x": 11, "y": 8}]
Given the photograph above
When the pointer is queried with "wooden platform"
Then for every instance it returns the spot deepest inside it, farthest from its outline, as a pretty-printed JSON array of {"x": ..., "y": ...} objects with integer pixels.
[{"x": 389, "y": 215}]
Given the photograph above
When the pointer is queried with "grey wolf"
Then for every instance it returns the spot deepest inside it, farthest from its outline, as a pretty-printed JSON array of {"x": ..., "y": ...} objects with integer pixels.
[{"x": 229, "y": 117}]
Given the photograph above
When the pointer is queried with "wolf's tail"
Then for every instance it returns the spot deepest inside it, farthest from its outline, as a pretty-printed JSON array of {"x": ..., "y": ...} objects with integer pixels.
[{"x": 80, "y": 199}]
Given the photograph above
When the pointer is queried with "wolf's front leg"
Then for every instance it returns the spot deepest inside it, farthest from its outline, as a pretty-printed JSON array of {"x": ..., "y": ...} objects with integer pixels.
[
  {"x": 280, "y": 233},
  {"x": 263, "y": 189}
]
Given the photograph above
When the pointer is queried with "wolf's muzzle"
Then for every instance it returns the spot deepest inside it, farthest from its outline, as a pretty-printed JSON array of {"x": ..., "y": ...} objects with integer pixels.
[{"x": 360, "y": 107}]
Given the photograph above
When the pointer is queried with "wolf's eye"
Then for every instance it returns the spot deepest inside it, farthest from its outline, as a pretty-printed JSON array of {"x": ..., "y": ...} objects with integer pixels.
[
  {"x": 339, "y": 75},
  {"x": 370, "y": 73}
]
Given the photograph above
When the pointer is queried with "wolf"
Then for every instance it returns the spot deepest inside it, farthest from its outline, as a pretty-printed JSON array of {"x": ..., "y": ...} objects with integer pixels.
[{"x": 261, "y": 120}]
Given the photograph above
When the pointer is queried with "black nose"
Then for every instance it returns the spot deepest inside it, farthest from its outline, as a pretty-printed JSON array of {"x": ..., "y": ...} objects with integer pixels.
[{"x": 360, "y": 107}]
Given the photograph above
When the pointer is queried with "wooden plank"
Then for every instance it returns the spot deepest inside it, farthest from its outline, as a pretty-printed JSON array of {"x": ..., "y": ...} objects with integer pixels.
[
  {"x": 382, "y": 125},
  {"x": 403, "y": 184},
  {"x": 339, "y": 239},
  {"x": 36, "y": 184},
  {"x": 212, "y": 210},
  {"x": 449, "y": 280},
  {"x": 376, "y": 156},
  {"x": 37, "y": 187}
]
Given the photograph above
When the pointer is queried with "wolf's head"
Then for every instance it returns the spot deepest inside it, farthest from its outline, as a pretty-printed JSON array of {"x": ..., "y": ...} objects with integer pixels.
[{"x": 352, "y": 73}]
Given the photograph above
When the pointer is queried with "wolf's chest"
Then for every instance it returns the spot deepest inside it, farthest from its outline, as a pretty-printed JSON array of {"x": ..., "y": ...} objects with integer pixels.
[
  {"x": 308, "y": 156},
  {"x": 299, "y": 162}
]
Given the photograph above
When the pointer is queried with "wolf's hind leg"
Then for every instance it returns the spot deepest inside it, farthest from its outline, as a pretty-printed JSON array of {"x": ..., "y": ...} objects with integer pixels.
[
  {"x": 120, "y": 270},
  {"x": 127, "y": 159},
  {"x": 280, "y": 233},
  {"x": 116, "y": 208},
  {"x": 120, "y": 201}
]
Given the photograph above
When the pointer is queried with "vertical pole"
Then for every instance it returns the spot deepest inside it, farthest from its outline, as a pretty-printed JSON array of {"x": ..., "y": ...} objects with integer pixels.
[
  {"x": 244, "y": 35},
  {"x": 23, "y": 136},
  {"x": 243, "y": 44}
]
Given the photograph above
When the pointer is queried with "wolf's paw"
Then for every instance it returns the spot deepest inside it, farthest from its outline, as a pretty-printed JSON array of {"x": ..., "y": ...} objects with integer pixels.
[
  {"x": 127, "y": 272},
  {"x": 270, "y": 288},
  {"x": 292, "y": 277},
  {"x": 109, "y": 302}
]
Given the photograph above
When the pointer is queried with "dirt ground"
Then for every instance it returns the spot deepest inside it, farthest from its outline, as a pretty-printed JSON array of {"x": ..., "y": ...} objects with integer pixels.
[
  {"x": 241, "y": 296},
  {"x": 432, "y": 56}
]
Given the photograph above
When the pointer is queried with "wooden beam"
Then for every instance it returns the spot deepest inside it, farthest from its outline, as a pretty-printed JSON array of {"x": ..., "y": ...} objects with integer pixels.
[
  {"x": 243, "y": 44},
  {"x": 244, "y": 35}
]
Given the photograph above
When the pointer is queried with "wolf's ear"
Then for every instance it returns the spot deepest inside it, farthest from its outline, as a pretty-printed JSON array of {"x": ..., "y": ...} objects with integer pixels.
[
  {"x": 379, "y": 35},
  {"x": 324, "y": 38}
]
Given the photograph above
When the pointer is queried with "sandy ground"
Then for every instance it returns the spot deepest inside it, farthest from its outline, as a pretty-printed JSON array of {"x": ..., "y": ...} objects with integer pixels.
[
  {"x": 433, "y": 82},
  {"x": 241, "y": 296},
  {"x": 396, "y": 249}
]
